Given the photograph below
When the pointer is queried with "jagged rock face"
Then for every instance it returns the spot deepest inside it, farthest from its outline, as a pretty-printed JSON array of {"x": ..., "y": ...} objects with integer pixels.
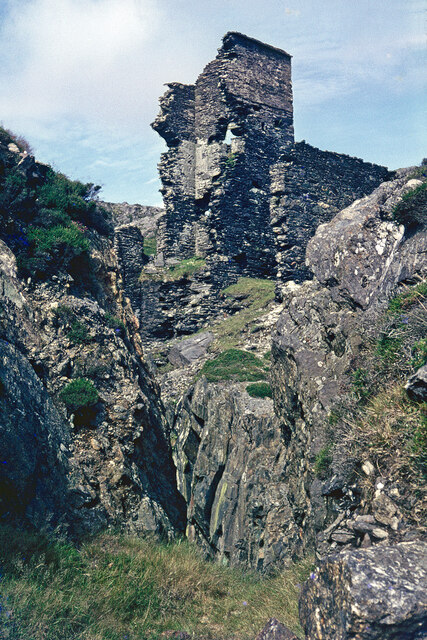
[
  {"x": 357, "y": 258},
  {"x": 370, "y": 594},
  {"x": 230, "y": 457},
  {"x": 109, "y": 465}
]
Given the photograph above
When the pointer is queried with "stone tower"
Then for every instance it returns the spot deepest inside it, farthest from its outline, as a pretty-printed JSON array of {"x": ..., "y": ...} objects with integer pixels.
[{"x": 224, "y": 133}]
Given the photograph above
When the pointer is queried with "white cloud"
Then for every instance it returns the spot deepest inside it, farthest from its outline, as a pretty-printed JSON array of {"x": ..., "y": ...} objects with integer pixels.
[{"x": 78, "y": 57}]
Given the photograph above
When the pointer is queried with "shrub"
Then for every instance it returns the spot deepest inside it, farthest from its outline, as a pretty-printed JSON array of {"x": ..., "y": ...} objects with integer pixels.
[
  {"x": 79, "y": 393},
  {"x": 113, "y": 322},
  {"x": 78, "y": 333},
  {"x": 234, "y": 364},
  {"x": 259, "y": 390},
  {"x": 48, "y": 239}
]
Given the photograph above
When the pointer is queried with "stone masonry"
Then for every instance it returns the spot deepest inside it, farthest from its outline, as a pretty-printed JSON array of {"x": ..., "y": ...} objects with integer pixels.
[{"x": 238, "y": 192}]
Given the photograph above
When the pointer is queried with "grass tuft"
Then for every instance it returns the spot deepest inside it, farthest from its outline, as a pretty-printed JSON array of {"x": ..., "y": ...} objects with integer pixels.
[
  {"x": 259, "y": 390},
  {"x": 234, "y": 364}
]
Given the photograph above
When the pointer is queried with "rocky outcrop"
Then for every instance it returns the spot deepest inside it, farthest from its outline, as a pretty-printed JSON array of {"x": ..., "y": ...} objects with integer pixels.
[
  {"x": 147, "y": 219},
  {"x": 107, "y": 464},
  {"x": 230, "y": 456},
  {"x": 374, "y": 594},
  {"x": 275, "y": 630},
  {"x": 357, "y": 259},
  {"x": 416, "y": 386}
]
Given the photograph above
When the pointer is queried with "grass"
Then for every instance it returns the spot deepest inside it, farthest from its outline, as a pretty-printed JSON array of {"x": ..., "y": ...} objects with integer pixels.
[
  {"x": 150, "y": 246},
  {"x": 255, "y": 295},
  {"x": 378, "y": 421},
  {"x": 323, "y": 460},
  {"x": 259, "y": 390},
  {"x": 117, "y": 587},
  {"x": 392, "y": 431},
  {"x": 234, "y": 364}
]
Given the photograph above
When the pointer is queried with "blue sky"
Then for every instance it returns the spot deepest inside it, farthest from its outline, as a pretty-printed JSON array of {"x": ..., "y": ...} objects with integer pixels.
[{"x": 80, "y": 79}]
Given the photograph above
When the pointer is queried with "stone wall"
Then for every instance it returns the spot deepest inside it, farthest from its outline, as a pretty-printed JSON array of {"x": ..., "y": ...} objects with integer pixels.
[
  {"x": 308, "y": 188},
  {"x": 223, "y": 135},
  {"x": 238, "y": 191}
]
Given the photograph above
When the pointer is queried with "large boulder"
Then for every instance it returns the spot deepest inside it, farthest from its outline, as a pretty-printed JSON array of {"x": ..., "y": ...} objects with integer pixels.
[{"x": 368, "y": 594}]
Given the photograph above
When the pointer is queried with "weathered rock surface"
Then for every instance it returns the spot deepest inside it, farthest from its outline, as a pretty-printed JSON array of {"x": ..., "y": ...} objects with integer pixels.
[
  {"x": 111, "y": 465},
  {"x": 416, "y": 386},
  {"x": 369, "y": 594},
  {"x": 188, "y": 351},
  {"x": 147, "y": 219},
  {"x": 358, "y": 258},
  {"x": 230, "y": 457}
]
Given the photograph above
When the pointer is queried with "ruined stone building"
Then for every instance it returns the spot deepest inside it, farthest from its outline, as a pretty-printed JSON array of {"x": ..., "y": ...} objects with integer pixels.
[
  {"x": 238, "y": 191},
  {"x": 224, "y": 133}
]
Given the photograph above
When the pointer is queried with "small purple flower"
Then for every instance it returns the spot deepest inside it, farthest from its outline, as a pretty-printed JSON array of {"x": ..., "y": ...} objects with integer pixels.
[
  {"x": 245, "y": 604},
  {"x": 312, "y": 576},
  {"x": 404, "y": 319}
]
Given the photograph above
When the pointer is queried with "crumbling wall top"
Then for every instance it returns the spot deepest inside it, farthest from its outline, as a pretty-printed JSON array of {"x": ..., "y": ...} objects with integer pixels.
[{"x": 232, "y": 38}]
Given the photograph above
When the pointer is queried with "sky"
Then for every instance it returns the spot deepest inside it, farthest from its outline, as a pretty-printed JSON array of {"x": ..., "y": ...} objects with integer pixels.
[{"x": 80, "y": 79}]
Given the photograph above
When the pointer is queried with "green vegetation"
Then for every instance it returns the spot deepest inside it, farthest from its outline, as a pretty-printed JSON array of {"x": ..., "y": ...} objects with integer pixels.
[
  {"x": 230, "y": 162},
  {"x": 323, "y": 460},
  {"x": 378, "y": 421},
  {"x": 259, "y": 390},
  {"x": 46, "y": 220},
  {"x": 117, "y": 587},
  {"x": 77, "y": 333},
  {"x": 185, "y": 268},
  {"x": 59, "y": 237},
  {"x": 234, "y": 364},
  {"x": 419, "y": 352},
  {"x": 409, "y": 297},
  {"x": 254, "y": 295},
  {"x": 113, "y": 322},
  {"x": 79, "y": 393},
  {"x": 150, "y": 246}
]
